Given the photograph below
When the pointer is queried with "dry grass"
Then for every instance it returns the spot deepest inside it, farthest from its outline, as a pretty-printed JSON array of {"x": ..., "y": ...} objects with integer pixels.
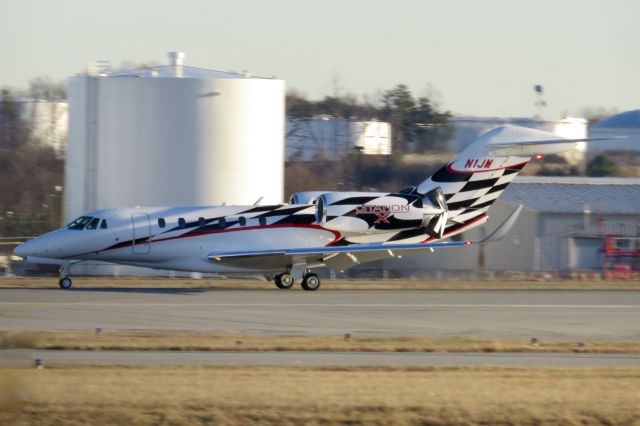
[
  {"x": 193, "y": 341},
  {"x": 292, "y": 396},
  {"x": 382, "y": 284}
]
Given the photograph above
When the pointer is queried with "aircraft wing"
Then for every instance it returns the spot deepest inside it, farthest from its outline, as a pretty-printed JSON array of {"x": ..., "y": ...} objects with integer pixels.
[
  {"x": 336, "y": 258},
  {"x": 356, "y": 248}
]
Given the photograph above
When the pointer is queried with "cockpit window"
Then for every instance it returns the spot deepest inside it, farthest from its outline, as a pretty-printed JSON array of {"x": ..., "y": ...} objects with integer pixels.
[
  {"x": 94, "y": 223},
  {"x": 103, "y": 225},
  {"x": 79, "y": 223}
]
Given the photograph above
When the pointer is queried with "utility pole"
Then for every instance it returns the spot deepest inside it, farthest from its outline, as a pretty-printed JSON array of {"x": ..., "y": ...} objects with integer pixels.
[{"x": 540, "y": 103}]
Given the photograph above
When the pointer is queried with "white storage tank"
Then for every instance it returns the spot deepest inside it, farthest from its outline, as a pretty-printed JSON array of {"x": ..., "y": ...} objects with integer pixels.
[{"x": 173, "y": 135}]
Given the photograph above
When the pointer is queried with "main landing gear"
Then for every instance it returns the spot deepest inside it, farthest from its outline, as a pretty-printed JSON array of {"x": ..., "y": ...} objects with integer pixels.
[
  {"x": 310, "y": 281},
  {"x": 283, "y": 281}
]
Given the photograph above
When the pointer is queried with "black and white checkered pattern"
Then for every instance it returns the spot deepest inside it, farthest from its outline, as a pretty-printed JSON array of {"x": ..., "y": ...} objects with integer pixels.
[{"x": 470, "y": 195}]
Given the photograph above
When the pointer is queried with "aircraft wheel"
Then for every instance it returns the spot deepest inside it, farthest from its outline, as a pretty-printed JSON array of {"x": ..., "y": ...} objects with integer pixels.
[
  {"x": 65, "y": 283},
  {"x": 283, "y": 281},
  {"x": 311, "y": 282}
]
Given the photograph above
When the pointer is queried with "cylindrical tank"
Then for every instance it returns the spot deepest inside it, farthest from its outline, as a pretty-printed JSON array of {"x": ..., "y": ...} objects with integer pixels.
[{"x": 173, "y": 135}]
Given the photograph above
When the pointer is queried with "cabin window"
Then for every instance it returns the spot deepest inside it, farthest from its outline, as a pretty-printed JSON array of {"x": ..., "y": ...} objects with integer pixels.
[
  {"x": 79, "y": 223},
  {"x": 93, "y": 224},
  {"x": 103, "y": 225},
  {"x": 181, "y": 222},
  {"x": 262, "y": 221},
  {"x": 161, "y": 222},
  {"x": 222, "y": 222},
  {"x": 201, "y": 222},
  {"x": 242, "y": 221}
]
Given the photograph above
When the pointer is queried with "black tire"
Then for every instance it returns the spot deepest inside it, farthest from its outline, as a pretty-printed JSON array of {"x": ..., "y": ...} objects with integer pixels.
[
  {"x": 311, "y": 282},
  {"x": 283, "y": 281},
  {"x": 65, "y": 283}
]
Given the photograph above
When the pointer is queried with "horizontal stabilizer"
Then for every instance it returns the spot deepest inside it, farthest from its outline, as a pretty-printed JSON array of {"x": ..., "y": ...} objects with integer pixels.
[{"x": 551, "y": 141}]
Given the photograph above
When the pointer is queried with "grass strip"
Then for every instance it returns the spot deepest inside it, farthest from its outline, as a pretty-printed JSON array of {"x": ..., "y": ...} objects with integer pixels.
[
  {"x": 318, "y": 396},
  {"x": 197, "y": 341}
]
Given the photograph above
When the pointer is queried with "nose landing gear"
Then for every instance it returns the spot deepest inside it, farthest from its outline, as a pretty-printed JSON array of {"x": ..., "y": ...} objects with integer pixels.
[{"x": 65, "y": 282}]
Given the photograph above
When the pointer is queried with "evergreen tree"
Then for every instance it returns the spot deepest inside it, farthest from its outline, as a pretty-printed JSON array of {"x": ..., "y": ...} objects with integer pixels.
[{"x": 601, "y": 166}]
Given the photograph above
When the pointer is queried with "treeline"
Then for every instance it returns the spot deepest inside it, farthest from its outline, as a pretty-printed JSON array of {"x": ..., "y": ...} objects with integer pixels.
[
  {"x": 418, "y": 124},
  {"x": 31, "y": 174}
]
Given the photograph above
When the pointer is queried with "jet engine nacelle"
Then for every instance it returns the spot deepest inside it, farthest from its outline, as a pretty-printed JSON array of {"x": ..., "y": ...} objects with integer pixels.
[
  {"x": 375, "y": 212},
  {"x": 305, "y": 197}
]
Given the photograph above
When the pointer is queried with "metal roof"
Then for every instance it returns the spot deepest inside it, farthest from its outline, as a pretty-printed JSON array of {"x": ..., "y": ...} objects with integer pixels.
[
  {"x": 575, "y": 194},
  {"x": 624, "y": 120}
]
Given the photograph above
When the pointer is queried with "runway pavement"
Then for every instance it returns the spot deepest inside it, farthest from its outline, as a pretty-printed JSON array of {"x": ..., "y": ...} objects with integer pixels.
[
  {"x": 557, "y": 315},
  {"x": 24, "y": 357}
]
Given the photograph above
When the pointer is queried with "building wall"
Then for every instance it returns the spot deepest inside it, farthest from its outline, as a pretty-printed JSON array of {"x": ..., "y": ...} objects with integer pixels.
[
  {"x": 333, "y": 138},
  {"x": 372, "y": 137},
  {"x": 538, "y": 242},
  {"x": 565, "y": 235},
  {"x": 80, "y": 91}
]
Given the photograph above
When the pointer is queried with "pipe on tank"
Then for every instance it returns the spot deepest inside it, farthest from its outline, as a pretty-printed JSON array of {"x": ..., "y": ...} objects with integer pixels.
[{"x": 176, "y": 60}]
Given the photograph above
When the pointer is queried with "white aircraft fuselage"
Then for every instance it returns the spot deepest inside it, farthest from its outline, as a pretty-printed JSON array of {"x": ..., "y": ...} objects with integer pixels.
[{"x": 330, "y": 229}]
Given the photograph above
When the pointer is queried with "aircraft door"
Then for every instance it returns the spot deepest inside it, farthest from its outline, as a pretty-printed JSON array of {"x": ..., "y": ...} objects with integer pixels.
[{"x": 141, "y": 228}]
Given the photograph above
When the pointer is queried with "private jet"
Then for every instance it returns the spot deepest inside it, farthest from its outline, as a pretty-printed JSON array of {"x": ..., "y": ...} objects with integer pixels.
[{"x": 316, "y": 229}]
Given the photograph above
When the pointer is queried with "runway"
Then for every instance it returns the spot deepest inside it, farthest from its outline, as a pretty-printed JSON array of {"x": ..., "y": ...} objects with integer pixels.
[
  {"x": 551, "y": 315},
  {"x": 25, "y": 357}
]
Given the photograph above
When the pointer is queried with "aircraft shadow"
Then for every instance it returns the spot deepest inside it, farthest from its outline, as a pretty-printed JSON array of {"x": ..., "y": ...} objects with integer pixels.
[{"x": 146, "y": 290}]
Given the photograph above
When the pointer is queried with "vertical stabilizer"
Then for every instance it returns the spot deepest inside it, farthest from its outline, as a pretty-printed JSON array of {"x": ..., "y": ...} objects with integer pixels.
[{"x": 476, "y": 177}]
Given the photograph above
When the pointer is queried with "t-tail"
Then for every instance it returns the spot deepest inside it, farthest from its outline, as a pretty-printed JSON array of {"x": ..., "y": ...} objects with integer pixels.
[{"x": 475, "y": 178}]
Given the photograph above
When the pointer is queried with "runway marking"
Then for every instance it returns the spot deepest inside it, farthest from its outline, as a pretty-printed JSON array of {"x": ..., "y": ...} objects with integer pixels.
[{"x": 326, "y": 305}]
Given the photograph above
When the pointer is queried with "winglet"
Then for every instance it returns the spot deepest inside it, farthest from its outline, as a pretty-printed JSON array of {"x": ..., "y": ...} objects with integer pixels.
[{"x": 503, "y": 229}]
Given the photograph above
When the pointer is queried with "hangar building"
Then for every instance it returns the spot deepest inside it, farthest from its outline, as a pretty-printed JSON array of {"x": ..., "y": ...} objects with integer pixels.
[{"x": 625, "y": 124}]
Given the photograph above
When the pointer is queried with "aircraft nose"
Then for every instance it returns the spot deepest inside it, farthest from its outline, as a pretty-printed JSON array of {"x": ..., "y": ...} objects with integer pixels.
[
  {"x": 23, "y": 250},
  {"x": 33, "y": 247}
]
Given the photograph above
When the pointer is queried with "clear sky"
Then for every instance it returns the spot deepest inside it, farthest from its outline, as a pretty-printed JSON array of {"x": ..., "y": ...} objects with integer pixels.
[{"x": 481, "y": 56}]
